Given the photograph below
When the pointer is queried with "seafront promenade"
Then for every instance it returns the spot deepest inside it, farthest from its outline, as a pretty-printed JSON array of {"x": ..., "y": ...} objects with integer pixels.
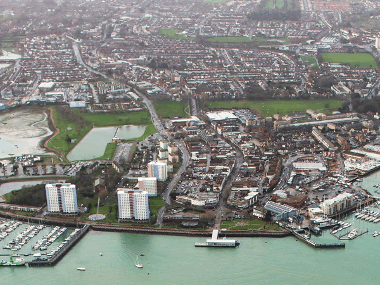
[{"x": 144, "y": 230}]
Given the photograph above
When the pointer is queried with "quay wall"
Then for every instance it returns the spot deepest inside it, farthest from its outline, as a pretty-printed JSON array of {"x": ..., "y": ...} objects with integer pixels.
[
  {"x": 146, "y": 230},
  {"x": 62, "y": 252},
  {"x": 197, "y": 233}
]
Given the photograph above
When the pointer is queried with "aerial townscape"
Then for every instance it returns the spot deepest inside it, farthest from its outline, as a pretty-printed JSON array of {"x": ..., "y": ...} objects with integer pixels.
[{"x": 134, "y": 132}]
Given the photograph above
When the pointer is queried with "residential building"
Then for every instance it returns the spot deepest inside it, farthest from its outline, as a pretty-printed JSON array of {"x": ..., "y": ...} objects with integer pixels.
[
  {"x": 133, "y": 204},
  {"x": 148, "y": 184},
  {"x": 337, "y": 204},
  {"x": 158, "y": 169},
  {"x": 61, "y": 197}
]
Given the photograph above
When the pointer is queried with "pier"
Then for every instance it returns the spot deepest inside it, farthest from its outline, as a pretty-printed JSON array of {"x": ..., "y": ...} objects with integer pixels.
[
  {"x": 318, "y": 245},
  {"x": 65, "y": 249},
  {"x": 343, "y": 237}
]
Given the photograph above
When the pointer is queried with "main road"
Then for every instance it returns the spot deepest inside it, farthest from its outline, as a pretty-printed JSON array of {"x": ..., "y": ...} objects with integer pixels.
[
  {"x": 163, "y": 135},
  {"x": 161, "y": 132}
]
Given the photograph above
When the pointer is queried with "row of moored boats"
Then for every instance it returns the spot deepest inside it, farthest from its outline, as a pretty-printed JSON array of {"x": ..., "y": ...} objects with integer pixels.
[
  {"x": 341, "y": 226},
  {"x": 62, "y": 244},
  {"x": 368, "y": 215},
  {"x": 23, "y": 238},
  {"x": 48, "y": 239}
]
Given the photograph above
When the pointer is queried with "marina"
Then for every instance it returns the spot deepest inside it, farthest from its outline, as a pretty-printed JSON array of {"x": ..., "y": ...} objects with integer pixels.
[{"x": 23, "y": 244}]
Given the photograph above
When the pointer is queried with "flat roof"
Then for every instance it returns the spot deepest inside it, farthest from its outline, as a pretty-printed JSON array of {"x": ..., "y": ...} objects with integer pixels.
[{"x": 220, "y": 116}]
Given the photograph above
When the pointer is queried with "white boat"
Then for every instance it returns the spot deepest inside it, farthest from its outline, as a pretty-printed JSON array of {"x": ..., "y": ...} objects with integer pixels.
[
  {"x": 101, "y": 254},
  {"x": 81, "y": 268},
  {"x": 375, "y": 234},
  {"x": 137, "y": 264}
]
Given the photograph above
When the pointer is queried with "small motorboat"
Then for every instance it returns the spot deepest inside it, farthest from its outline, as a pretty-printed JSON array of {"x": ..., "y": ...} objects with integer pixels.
[{"x": 81, "y": 268}]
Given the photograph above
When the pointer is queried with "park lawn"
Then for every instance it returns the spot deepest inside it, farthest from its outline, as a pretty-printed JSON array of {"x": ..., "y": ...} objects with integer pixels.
[
  {"x": 240, "y": 39},
  {"x": 110, "y": 216},
  {"x": 171, "y": 109},
  {"x": 22, "y": 213},
  {"x": 308, "y": 59},
  {"x": 279, "y": 4},
  {"x": 281, "y": 107},
  {"x": 109, "y": 151},
  {"x": 175, "y": 34},
  {"x": 155, "y": 203},
  {"x": 227, "y": 224},
  {"x": 356, "y": 60},
  {"x": 58, "y": 142},
  {"x": 98, "y": 120},
  {"x": 248, "y": 224}
]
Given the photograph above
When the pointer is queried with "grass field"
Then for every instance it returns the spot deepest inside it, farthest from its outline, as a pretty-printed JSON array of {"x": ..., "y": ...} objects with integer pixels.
[
  {"x": 75, "y": 133},
  {"x": 98, "y": 120},
  {"x": 279, "y": 4},
  {"x": 246, "y": 224},
  {"x": 229, "y": 39},
  {"x": 308, "y": 59},
  {"x": 271, "y": 107},
  {"x": 175, "y": 34},
  {"x": 356, "y": 60},
  {"x": 171, "y": 109},
  {"x": 155, "y": 203},
  {"x": 110, "y": 213},
  {"x": 109, "y": 151}
]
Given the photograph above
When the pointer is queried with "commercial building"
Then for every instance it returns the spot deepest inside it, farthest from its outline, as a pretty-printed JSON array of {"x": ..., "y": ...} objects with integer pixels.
[
  {"x": 148, "y": 184},
  {"x": 61, "y": 197},
  {"x": 158, "y": 169},
  {"x": 133, "y": 204},
  {"x": 337, "y": 204},
  {"x": 282, "y": 212}
]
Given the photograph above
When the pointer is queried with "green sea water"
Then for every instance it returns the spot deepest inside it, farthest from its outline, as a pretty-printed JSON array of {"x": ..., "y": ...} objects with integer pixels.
[{"x": 175, "y": 260}]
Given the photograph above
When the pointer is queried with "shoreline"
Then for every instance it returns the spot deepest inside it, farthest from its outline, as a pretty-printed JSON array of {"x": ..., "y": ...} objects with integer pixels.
[{"x": 147, "y": 230}]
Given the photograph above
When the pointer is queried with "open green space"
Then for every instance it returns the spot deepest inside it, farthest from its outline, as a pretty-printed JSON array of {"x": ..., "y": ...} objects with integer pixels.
[
  {"x": 175, "y": 34},
  {"x": 109, "y": 151},
  {"x": 229, "y": 39},
  {"x": 356, "y": 60},
  {"x": 242, "y": 224},
  {"x": 171, "y": 109},
  {"x": 75, "y": 125},
  {"x": 155, "y": 203},
  {"x": 279, "y": 4},
  {"x": 281, "y": 107},
  {"x": 309, "y": 59},
  {"x": 108, "y": 210}
]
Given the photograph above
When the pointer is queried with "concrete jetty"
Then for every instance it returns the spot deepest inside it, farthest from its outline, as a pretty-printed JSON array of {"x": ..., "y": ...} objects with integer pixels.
[{"x": 65, "y": 249}]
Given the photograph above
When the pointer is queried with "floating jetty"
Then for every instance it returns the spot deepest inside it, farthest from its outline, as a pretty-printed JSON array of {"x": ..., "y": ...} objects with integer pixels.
[
  {"x": 317, "y": 245},
  {"x": 62, "y": 251}
]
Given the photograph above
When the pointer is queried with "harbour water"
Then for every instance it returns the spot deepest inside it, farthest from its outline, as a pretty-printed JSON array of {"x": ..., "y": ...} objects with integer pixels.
[
  {"x": 175, "y": 260},
  {"x": 95, "y": 142}
]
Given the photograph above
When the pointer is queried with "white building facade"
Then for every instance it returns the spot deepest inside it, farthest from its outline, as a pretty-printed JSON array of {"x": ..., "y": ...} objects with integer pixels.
[
  {"x": 158, "y": 169},
  {"x": 133, "y": 204},
  {"x": 148, "y": 184},
  {"x": 61, "y": 197}
]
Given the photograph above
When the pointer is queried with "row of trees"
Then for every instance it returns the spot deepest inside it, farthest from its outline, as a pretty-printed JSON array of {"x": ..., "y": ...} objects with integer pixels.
[{"x": 29, "y": 196}]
